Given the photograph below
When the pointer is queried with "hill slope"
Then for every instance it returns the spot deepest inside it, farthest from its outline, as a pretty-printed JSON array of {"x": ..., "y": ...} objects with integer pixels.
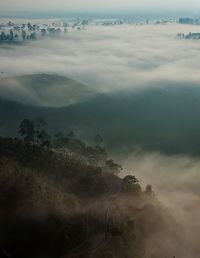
[
  {"x": 44, "y": 90},
  {"x": 156, "y": 119},
  {"x": 54, "y": 206}
]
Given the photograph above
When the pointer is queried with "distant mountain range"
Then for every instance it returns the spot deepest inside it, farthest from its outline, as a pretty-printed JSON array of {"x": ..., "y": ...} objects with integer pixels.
[{"x": 159, "y": 119}]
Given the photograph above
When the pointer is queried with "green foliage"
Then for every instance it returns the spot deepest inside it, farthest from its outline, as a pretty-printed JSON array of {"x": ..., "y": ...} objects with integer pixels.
[
  {"x": 26, "y": 130},
  {"x": 33, "y": 131}
]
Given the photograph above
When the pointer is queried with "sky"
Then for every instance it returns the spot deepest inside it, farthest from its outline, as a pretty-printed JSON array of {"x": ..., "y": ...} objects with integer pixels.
[{"x": 100, "y": 5}]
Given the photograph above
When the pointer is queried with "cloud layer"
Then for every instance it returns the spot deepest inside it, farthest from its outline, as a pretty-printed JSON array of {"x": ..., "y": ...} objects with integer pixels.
[
  {"x": 175, "y": 180},
  {"x": 111, "y": 58}
]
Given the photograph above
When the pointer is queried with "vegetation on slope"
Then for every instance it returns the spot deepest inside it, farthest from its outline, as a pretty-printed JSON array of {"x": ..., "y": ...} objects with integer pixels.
[{"x": 55, "y": 204}]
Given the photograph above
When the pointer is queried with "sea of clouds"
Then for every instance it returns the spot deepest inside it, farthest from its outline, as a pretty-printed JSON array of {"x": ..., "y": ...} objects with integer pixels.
[{"x": 110, "y": 57}]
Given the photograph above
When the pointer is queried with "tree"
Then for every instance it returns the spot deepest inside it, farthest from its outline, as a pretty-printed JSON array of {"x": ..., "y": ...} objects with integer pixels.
[
  {"x": 149, "y": 191},
  {"x": 23, "y": 35},
  {"x": 59, "y": 140},
  {"x": 131, "y": 184},
  {"x": 113, "y": 167},
  {"x": 129, "y": 179},
  {"x": 44, "y": 138},
  {"x": 27, "y": 130},
  {"x": 98, "y": 139},
  {"x": 3, "y": 35},
  {"x": 39, "y": 123},
  {"x": 33, "y": 36},
  {"x": 71, "y": 135},
  {"x": 43, "y": 32},
  {"x": 34, "y": 131},
  {"x": 11, "y": 34},
  {"x": 74, "y": 144}
]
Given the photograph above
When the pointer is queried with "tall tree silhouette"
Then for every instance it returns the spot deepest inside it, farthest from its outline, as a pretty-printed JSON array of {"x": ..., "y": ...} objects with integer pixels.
[{"x": 27, "y": 130}]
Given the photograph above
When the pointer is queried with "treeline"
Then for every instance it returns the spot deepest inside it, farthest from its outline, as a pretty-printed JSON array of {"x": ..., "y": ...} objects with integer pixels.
[
  {"x": 36, "y": 132},
  {"x": 53, "y": 154}
]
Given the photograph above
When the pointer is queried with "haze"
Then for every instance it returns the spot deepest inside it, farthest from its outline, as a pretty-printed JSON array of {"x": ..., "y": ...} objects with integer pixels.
[{"x": 100, "y": 5}]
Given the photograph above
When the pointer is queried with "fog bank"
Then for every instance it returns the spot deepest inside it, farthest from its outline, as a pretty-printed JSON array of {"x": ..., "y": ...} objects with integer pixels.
[
  {"x": 176, "y": 182},
  {"x": 110, "y": 58}
]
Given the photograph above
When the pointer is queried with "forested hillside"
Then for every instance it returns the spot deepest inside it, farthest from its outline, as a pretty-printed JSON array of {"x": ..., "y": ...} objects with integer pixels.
[{"x": 57, "y": 204}]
